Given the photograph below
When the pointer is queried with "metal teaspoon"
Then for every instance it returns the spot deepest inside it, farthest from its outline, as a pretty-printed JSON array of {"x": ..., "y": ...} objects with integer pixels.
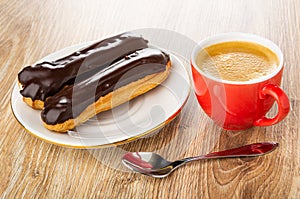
[{"x": 154, "y": 165}]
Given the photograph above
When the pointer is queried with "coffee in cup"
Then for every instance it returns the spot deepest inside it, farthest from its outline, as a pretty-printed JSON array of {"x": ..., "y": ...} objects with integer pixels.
[{"x": 237, "y": 60}]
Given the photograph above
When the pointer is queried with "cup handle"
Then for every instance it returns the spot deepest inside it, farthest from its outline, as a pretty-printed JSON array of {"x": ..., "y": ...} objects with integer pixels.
[{"x": 282, "y": 101}]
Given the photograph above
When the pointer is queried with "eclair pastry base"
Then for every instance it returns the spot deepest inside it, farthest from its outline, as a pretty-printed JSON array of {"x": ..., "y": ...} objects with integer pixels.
[
  {"x": 113, "y": 99},
  {"x": 35, "y": 104}
]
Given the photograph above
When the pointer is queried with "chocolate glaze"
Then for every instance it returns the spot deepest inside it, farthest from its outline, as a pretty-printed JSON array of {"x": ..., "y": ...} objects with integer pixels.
[
  {"x": 72, "y": 100},
  {"x": 47, "y": 78}
]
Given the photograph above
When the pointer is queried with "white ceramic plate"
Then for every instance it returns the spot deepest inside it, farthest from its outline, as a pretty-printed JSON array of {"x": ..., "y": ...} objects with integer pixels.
[{"x": 130, "y": 121}]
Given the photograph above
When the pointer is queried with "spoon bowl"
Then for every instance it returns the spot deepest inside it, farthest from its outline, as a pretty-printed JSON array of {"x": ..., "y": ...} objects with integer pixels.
[{"x": 154, "y": 165}]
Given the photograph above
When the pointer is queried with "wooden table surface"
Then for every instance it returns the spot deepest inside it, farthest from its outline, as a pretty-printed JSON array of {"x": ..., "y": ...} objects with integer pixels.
[{"x": 32, "y": 168}]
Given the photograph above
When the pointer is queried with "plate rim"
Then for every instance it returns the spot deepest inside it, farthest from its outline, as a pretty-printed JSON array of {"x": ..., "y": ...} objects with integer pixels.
[{"x": 125, "y": 141}]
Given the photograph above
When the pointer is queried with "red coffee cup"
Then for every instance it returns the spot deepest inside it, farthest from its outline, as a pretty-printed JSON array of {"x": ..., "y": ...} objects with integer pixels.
[{"x": 240, "y": 105}]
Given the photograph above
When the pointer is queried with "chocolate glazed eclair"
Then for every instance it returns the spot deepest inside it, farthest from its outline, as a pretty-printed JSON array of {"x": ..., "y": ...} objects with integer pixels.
[
  {"x": 131, "y": 76},
  {"x": 45, "y": 79}
]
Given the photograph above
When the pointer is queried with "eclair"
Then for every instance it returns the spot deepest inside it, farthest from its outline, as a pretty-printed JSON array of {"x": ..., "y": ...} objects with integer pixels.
[
  {"x": 42, "y": 80},
  {"x": 133, "y": 75}
]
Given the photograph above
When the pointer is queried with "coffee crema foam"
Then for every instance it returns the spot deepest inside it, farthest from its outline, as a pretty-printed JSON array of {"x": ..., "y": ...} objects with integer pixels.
[{"x": 237, "y": 61}]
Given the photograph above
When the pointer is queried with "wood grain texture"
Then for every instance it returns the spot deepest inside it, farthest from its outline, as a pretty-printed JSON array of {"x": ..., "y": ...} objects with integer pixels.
[{"x": 31, "y": 168}]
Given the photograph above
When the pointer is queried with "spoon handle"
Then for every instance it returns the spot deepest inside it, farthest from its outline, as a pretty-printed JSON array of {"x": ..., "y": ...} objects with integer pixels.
[{"x": 244, "y": 151}]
